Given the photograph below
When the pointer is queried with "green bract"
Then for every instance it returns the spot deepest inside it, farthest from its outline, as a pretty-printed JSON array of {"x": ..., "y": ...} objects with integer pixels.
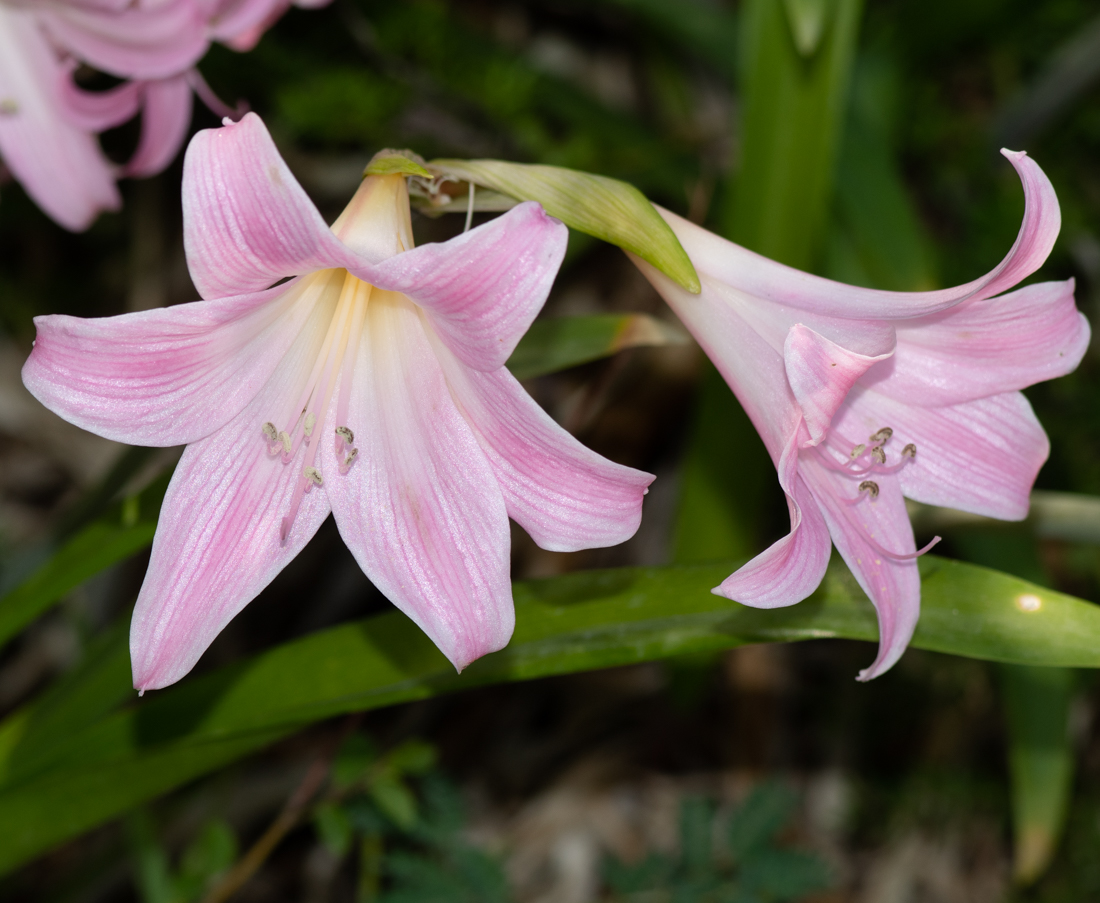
[
  {"x": 391, "y": 162},
  {"x": 606, "y": 208}
]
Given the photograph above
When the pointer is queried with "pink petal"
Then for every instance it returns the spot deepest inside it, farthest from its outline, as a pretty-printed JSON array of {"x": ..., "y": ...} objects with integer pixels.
[
  {"x": 751, "y": 364},
  {"x": 482, "y": 289},
  {"x": 821, "y": 373},
  {"x": 58, "y": 164},
  {"x": 980, "y": 456},
  {"x": 174, "y": 375},
  {"x": 986, "y": 347},
  {"x": 892, "y": 585},
  {"x": 247, "y": 222},
  {"x": 143, "y": 41},
  {"x": 564, "y": 495},
  {"x": 241, "y": 24},
  {"x": 771, "y": 281},
  {"x": 217, "y": 544},
  {"x": 165, "y": 120},
  {"x": 790, "y": 569},
  {"x": 96, "y": 111},
  {"x": 420, "y": 507}
]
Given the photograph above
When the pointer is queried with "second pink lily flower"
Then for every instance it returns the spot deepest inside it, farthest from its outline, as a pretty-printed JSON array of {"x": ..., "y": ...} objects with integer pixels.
[
  {"x": 48, "y": 126},
  {"x": 863, "y": 397},
  {"x": 372, "y": 386}
]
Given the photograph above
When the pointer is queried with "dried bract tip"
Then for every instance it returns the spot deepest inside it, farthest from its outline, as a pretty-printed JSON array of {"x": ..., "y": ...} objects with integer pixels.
[{"x": 869, "y": 486}]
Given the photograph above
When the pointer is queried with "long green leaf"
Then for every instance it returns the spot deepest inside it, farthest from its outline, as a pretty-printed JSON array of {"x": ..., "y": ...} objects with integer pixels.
[
  {"x": 793, "y": 110},
  {"x": 562, "y": 342},
  {"x": 93, "y": 549},
  {"x": 607, "y": 208},
  {"x": 1040, "y": 762},
  {"x": 54, "y": 790}
]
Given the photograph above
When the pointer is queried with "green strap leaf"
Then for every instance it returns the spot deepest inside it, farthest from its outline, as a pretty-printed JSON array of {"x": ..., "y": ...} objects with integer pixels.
[
  {"x": 1040, "y": 762},
  {"x": 93, "y": 549},
  {"x": 606, "y": 208},
  {"x": 561, "y": 342},
  {"x": 54, "y": 790}
]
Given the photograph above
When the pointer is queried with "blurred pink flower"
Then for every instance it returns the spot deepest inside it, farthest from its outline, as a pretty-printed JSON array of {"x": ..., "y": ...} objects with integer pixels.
[
  {"x": 371, "y": 385},
  {"x": 48, "y": 125},
  {"x": 863, "y": 397}
]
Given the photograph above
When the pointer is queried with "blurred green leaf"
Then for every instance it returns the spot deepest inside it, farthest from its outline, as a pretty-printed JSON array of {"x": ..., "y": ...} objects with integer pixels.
[
  {"x": 152, "y": 873},
  {"x": 413, "y": 757},
  {"x": 808, "y": 19},
  {"x": 759, "y": 818},
  {"x": 1037, "y": 705},
  {"x": 726, "y": 480},
  {"x": 572, "y": 623},
  {"x": 878, "y": 239},
  {"x": 607, "y": 208},
  {"x": 558, "y": 343},
  {"x": 93, "y": 549},
  {"x": 354, "y": 760},
  {"x": 792, "y": 116},
  {"x": 210, "y": 855},
  {"x": 333, "y": 827},
  {"x": 394, "y": 799}
]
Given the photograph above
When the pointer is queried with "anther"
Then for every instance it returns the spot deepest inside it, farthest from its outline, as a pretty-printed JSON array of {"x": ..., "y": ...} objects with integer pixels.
[
  {"x": 910, "y": 451},
  {"x": 857, "y": 451},
  {"x": 347, "y": 435},
  {"x": 270, "y": 431},
  {"x": 350, "y": 459},
  {"x": 869, "y": 486},
  {"x": 311, "y": 422},
  {"x": 284, "y": 437},
  {"x": 882, "y": 436},
  {"x": 314, "y": 476},
  {"x": 878, "y": 455}
]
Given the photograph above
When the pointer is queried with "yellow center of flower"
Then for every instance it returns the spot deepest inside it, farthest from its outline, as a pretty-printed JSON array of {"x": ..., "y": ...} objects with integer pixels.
[{"x": 377, "y": 225}]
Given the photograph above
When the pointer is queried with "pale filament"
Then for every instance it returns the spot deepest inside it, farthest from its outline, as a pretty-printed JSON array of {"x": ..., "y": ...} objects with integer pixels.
[
  {"x": 869, "y": 489},
  {"x": 341, "y": 342}
]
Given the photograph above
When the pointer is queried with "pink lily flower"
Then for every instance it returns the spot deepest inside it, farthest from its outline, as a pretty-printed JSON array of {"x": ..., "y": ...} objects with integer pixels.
[
  {"x": 48, "y": 125},
  {"x": 371, "y": 385},
  {"x": 863, "y": 397}
]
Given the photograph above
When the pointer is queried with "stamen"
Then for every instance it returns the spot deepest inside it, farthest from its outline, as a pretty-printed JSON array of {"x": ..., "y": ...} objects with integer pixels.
[
  {"x": 901, "y": 556},
  {"x": 349, "y": 460},
  {"x": 878, "y": 455},
  {"x": 270, "y": 431},
  {"x": 857, "y": 451},
  {"x": 310, "y": 423},
  {"x": 313, "y": 475},
  {"x": 869, "y": 486},
  {"x": 346, "y": 434},
  {"x": 284, "y": 437},
  {"x": 910, "y": 451},
  {"x": 882, "y": 436}
]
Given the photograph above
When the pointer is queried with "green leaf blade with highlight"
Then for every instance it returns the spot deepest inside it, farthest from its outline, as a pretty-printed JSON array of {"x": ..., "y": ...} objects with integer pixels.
[
  {"x": 51, "y": 791},
  {"x": 609, "y": 209}
]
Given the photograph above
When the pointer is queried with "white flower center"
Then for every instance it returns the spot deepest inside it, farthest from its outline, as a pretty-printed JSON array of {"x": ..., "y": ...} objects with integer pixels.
[{"x": 297, "y": 429}]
